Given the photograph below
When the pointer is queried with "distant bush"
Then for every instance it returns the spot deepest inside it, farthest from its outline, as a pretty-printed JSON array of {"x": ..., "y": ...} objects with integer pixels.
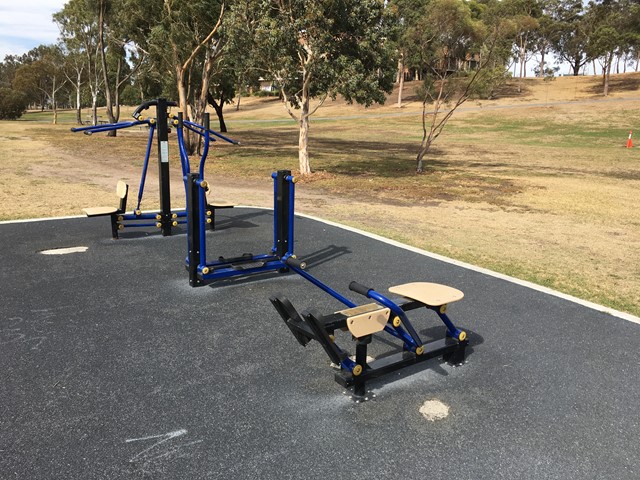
[{"x": 12, "y": 104}]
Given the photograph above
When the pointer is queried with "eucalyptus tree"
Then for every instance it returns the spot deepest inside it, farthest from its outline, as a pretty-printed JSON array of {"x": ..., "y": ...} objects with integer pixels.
[
  {"x": 74, "y": 71},
  {"x": 462, "y": 51},
  {"x": 119, "y": 51},
  {"x": 317, "y": 49},
  {"x": 407, "y": 14},
  {"x": 525, "y": 16},
  {"x": 79, "y": 32},
  {"x": 184, "y": 43},
  {"x": 614, "y": 30},
  {"x": 44, "y": 76},
  {"x": 242, "y": 57},
  {"x": 570, "y": 32}
]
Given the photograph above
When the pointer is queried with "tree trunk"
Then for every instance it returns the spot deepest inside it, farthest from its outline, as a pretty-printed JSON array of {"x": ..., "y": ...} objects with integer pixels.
[
  {"x": 218, "y": 109},
  {"x": 521, "y": 55},
  {"x": 103, "y": 60},
  {"x": 424, "y": 149},
  {"x": 400, "y": 79},
  {"x": 303, "y": 138},
  {"x": 53, "y": 102},
  {"x": 607, "y": 72},
  {"x": 78, "y": 98}
]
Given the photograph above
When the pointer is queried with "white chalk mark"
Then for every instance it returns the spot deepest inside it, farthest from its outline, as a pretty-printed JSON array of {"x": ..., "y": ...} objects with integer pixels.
[
  {"x": 153, "y": 452},
  {"x": 64, "y": 251},
  {"x": 166, "y": 436}
]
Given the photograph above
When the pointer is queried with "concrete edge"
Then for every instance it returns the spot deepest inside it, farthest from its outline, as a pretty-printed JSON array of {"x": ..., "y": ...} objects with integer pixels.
[{"x": 517, "y": 281}]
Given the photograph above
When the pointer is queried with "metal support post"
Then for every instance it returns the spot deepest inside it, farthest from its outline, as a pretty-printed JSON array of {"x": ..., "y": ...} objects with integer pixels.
[
  {"x": 193, "y": 227},
  {"x": 282, "y": 212},
  {"x": 163, "y": 166}
]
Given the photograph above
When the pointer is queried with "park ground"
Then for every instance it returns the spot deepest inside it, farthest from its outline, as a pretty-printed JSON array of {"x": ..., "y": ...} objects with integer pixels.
[{"x": 537, "y": 183}]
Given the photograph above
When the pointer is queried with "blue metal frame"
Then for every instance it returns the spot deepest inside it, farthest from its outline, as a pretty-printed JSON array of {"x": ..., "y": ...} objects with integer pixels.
[
  {"x": 175, "y": 217},
  {"x": 240, "y": 266}
]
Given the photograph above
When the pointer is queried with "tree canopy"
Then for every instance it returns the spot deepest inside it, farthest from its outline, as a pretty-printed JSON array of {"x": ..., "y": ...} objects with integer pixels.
[{"x": 205, "y": 53}]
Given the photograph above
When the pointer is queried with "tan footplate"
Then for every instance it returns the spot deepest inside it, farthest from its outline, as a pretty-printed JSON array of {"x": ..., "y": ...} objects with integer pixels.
[
  {"x": 366, "y": 319},
  {"x": 432, "y": 294}
]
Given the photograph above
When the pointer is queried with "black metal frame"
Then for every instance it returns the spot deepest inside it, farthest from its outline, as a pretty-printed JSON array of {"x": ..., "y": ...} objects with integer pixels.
[{"x": 313, "y": 326}]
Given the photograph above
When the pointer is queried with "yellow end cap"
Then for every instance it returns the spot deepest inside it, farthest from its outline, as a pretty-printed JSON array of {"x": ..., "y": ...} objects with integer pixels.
[
  {"x": 204, "y": 184},
  {"x": 209, "y": 220},
  {"x": 357, "y": 370},
  {"x": 205, "y": 270},
  {"x": 138, "y": 212},
  {"x": 174, "y": 223},
  {"x": 419, "y": 350},
  {"x": 120, "y": 218},
  {"x": 463, "y": 336},
  {"x": 158, "y": 217},
  {"x": 120, "y": 227},
  {"x": 159, "y": 225},
  {"x": 396, "y": 322},
  {"x": 443, "y": 308}
]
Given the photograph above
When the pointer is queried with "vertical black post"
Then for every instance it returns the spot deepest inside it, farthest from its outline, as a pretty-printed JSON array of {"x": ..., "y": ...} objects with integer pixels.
[
  {"x": 193, "y": 228},
  {"x": 282, "y": 212},
  {"x": 359, "y": 386},
  {"x": 163, "y": 166}
]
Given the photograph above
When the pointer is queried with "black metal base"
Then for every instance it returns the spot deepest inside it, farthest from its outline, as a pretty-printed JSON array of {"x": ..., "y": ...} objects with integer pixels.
[
  {"x": 312, "y": 326},
  {"x": 451, "y": 350}
]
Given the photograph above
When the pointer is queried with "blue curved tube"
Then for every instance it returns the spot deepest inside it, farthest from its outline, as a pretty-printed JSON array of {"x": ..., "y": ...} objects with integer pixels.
[
  {"x": 143, "y": 177},
  {"x": 108, "y": 127}
]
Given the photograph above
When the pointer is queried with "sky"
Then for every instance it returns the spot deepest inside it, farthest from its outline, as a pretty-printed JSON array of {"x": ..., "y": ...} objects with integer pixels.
[{"x": 25, "y": 24}]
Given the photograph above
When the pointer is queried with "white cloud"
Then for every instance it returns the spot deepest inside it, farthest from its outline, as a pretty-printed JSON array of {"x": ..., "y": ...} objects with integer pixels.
[{"x": 25, "y": 24}]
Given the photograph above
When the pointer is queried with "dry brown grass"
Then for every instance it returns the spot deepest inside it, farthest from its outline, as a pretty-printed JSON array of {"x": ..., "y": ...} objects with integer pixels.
[{"x": 522, "y": 184}]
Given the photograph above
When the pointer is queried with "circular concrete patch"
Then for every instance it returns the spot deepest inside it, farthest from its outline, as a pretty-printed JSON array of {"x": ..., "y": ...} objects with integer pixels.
[{"x": 434, "y": 410}]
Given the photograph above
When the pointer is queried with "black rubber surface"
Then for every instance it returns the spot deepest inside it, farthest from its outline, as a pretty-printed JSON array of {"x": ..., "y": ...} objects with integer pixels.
[{"x": 111, "y": 367}]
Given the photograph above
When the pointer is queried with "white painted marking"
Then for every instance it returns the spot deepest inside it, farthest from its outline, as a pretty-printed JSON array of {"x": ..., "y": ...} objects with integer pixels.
[
  {"x": 434, "y": 410},
  {"x": 64, "y": 251},
  {"x": 164, "y": 151},
  {"x": 44, "y": 219}
]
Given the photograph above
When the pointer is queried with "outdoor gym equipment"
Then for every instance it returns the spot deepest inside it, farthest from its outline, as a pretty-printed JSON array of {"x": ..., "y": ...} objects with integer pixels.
[
  {"x": 165, "y": 218},
  {"x": 364, "y": 321}
]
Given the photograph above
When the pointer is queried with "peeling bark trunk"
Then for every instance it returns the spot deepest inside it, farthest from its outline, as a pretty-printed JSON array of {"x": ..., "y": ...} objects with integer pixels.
[
  {"x": 303, "y": 138},
  {"x": 400, "y": 79}
]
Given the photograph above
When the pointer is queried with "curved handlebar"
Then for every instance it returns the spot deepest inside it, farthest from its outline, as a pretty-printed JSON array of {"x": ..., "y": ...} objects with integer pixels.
[
  {"x": 359, "y": 288},
  {"x": 151, "y": 103}
]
